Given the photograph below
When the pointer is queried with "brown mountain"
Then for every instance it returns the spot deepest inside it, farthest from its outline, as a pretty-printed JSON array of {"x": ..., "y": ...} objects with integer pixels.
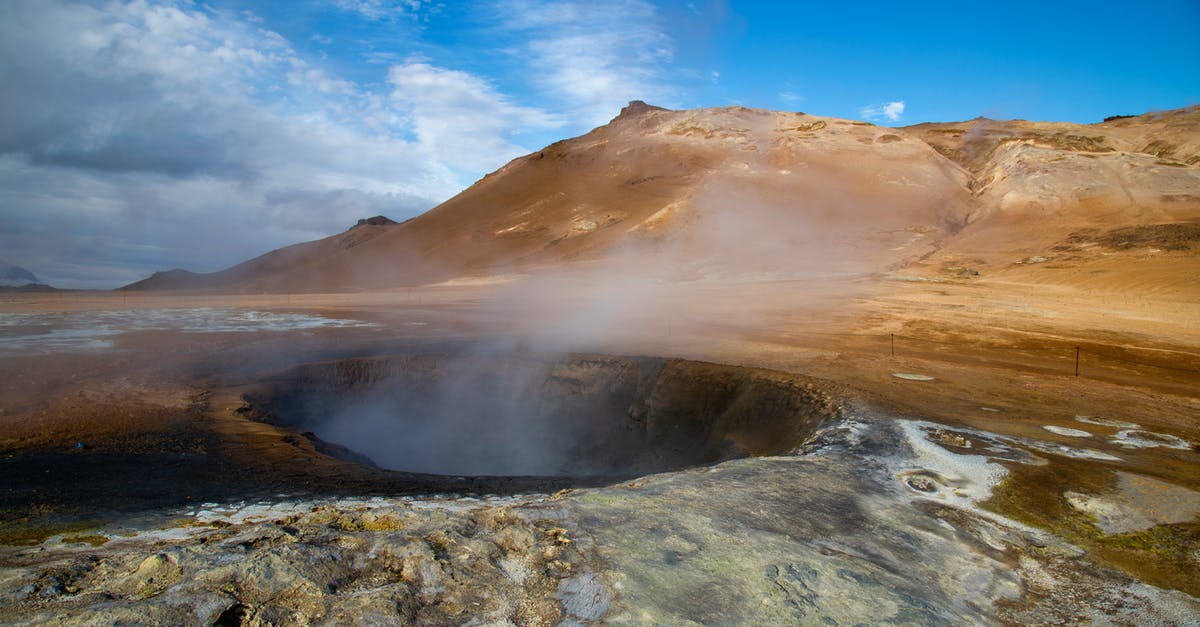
[
  {"x": 737, "y": 192},
  {"x": 1108, "y": 206}
]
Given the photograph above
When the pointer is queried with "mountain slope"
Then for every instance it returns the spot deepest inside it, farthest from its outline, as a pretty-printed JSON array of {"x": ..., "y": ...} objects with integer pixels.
[
  {"x": 688, "y": 193},
  {"x": 275, "y": 262},
  {"x": 736, "y": 192},
  {"x": 1111, "y": 206}
]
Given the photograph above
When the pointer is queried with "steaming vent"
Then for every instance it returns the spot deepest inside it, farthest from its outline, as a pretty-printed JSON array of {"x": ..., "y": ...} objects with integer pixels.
[{"x": 583, "y": 416}]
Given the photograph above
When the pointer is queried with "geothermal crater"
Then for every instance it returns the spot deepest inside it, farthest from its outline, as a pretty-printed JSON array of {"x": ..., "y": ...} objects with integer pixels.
[{"x": 510, "y": 414}]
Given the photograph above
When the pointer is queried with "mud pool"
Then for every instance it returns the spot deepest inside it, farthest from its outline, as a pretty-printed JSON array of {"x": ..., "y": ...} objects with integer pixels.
[{"x": 505, "y": 414}]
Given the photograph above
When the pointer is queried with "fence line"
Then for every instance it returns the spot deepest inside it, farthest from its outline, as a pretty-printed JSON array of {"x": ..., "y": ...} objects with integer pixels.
[
  {"x": 1080, "y": 355},
  {"x": 1077, "y": 353}
]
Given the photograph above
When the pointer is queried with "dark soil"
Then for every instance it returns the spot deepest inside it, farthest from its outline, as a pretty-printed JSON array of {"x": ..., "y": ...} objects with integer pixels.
[{"x": 1170, "y": 236}]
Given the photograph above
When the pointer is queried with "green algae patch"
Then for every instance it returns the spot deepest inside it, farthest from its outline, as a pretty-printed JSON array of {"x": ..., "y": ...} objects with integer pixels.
[
  {"x": 92, "y": 539},
  {"x": 1163, "y": 555},
  {"x": 1036, "y": 496},
  {"x": 33, "y": 534}
]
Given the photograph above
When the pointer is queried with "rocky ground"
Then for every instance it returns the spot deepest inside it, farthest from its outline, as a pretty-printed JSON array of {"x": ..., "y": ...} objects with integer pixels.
[
  {"x": 954, "y": 488},
  {"x": 875, "y": 520}
]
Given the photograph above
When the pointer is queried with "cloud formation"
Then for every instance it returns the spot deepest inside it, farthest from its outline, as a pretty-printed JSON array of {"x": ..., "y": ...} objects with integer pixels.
[
  {"x": 140, "y": 136},
  {"x": 593, "y": 58},
  {"x": 460, "y": 118},
  {"x": 380, "y": 9},
  {"x": 890, "y": 111}
]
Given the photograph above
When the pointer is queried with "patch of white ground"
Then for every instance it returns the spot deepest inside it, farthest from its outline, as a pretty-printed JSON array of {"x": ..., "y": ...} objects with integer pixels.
[
  {"x": 1105, "y": 422},
  {"x": 1138, "y": 438},
  {"x": 1067, "y": 431},
  {"x": 1131, "y": 435},
  {"x": 937, "y": 472},
  {"x": 1015, "y": 448},
  {"x": 908, "y": 376},
  {"x": 73, "y": 331}
]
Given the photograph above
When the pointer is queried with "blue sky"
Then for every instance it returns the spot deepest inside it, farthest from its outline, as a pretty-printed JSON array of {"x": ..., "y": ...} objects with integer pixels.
[{"x": 144, "y": 135}]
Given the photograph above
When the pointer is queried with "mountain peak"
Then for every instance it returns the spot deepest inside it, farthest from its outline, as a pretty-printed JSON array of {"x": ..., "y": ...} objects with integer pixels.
[
  {"x": 638, "y": 107},
  {"x": 376, "y": 221}
]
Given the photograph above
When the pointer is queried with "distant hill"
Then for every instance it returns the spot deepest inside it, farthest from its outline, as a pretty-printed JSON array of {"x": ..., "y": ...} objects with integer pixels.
[
  {"x": 13, "y": 277},
  {"x": 274, "y": 262}
]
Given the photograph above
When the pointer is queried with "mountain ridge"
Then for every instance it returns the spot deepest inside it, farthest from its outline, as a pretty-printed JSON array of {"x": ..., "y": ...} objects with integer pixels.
[{"x": 677, "y": 190}]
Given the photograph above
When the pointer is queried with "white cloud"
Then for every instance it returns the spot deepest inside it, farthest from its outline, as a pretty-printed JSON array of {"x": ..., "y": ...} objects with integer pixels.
[
  {"x": 591, "y": 57},
  {"x": 790, "y": 96},
  {"x": 891, "y": 111},
  {"x": 380, "y": 58},
  {"x": 461, "y": 118},
  {"x": 380, "y": 9},
  {"x": 314, "y": 78},
  {"x": 138, "y": 137}
]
